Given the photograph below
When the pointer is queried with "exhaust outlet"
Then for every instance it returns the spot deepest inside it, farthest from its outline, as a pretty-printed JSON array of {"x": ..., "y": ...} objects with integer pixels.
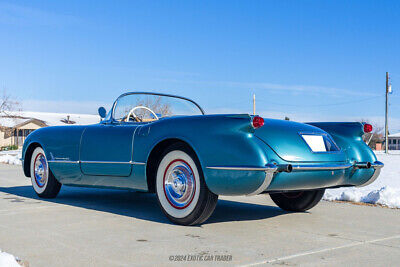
[
  {"x": 285, "y": 168},
  {"x": 362, "y": 165}
]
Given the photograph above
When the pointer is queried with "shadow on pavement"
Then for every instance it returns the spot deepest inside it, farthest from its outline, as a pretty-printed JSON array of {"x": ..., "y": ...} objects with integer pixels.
[{"x": 143, "y": 205}]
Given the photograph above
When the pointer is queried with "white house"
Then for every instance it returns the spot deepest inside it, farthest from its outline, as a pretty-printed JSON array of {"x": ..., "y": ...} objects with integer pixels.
[
  {"x": 394, "y": 141},
  {"x": 16, "y": 126}
]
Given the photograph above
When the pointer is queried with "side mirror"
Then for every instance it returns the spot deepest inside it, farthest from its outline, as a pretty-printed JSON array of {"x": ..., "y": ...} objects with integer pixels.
[{"x": 102, "y": 112}]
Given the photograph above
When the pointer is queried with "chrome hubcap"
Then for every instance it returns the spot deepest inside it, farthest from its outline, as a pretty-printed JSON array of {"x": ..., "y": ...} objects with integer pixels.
[
  {"x": 179, "y": 184},
  {"x": 40, "y": 169}
]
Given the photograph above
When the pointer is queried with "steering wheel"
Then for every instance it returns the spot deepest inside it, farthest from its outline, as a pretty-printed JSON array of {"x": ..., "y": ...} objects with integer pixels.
[{"x": 132, "y": 112}]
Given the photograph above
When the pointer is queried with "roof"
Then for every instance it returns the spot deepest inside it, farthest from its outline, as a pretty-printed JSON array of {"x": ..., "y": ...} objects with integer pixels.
[
  {"x": 50, "y": 119},
  {"x": 394, "y": 135},
  {"x": 11, "y": 122}
]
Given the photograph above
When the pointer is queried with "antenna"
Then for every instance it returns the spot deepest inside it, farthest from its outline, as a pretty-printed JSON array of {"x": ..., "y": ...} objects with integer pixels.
[{"x": 254, "y": 104}]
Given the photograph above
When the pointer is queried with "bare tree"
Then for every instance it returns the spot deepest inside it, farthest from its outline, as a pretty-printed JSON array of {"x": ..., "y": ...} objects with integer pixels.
[
  {"x": 156, "y": 104},
  {"x": 8, "y": 105}
]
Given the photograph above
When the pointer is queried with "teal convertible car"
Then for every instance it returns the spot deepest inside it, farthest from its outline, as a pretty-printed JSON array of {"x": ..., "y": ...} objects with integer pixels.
[{"x": 166, "y": 145}]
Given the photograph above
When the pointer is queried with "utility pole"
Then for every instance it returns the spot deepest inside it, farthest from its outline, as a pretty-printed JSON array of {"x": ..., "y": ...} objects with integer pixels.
[
  {"x": 254, "y": 104},
  {"x": 386, "y": 113}
]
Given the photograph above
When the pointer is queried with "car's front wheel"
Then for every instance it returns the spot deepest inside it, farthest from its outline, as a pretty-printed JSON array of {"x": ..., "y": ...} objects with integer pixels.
[
  {"x": 180, "y": 187},
  {"x": 43, "y": 181},
  {"x": 299, "y": 200}
]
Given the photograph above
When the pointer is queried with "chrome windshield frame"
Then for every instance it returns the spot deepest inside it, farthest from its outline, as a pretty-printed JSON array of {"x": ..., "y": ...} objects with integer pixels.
[{"x": 156, "y": 94}]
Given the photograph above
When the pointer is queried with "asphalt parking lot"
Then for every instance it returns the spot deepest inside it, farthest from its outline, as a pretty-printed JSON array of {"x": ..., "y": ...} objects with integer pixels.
[{"x": 97, "y": 227}]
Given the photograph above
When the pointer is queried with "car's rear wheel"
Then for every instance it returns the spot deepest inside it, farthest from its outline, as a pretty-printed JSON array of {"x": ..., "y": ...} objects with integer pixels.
[
  {"x": 180, "y": 187},
  {"x": 299, "y": 200},
  {"x": 43, "y": 181}
]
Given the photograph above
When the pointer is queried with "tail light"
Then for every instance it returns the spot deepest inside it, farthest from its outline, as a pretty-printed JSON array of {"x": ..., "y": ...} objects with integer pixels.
[
  {"x": 367, "y": 128},
  {"x": 257, "y": 122}
]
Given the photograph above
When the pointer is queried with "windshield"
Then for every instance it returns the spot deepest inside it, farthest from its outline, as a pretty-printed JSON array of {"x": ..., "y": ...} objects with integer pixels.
[{"x": 144, "y": 107}]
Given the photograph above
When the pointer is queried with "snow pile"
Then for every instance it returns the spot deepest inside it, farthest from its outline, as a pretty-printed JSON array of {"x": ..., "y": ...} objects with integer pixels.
[
  {"x": 8, "y": 260},
  {"x": 384, "y": 191},
  {"x": 11, "y": 157}
]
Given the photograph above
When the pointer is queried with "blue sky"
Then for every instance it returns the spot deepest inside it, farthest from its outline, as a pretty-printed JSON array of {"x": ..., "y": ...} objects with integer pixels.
[{"x": 309, "y": 60}]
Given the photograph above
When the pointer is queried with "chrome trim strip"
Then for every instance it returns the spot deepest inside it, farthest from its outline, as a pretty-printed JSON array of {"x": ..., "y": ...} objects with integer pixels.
[
  {"x": 63, "y": 161},
  {"x": 107, "y": 162},
  {"x": 321, "y": 167},
  {"x": 232, "y": 168},
  {"x": 138, "y": 163},
  {"x": 377, "y": 165},
  {"x": 115, "y": 162}
]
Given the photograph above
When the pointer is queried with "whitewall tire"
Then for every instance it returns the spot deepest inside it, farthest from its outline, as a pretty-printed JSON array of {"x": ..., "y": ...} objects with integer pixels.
[
  {"x": 43, "y": 181},
  {"x": 180, "y": 187}
]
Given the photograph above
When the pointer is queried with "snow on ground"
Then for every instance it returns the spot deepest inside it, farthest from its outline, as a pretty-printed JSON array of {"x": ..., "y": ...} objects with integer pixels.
[
  {"x": 384, "y": 191},
  {"x": 8, "y": 260},
  {"x": 11, "y": 157}
]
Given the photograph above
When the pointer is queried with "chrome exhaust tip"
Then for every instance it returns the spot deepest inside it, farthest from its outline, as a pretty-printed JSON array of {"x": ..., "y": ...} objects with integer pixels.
[
  {"x": 285, "y": 168},
  {"x": 363, "y": 165}
]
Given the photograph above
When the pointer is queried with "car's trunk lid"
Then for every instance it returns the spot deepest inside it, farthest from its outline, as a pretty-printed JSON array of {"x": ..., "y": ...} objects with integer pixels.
[{"x": 288, "y": 140}]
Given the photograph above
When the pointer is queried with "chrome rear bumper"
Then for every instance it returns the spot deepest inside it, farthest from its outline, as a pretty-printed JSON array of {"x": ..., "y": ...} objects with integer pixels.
[
  {"x": 322, "y": 167},
  {"x": 377, "y": 165},
  {"x": 271, "y": 169}
]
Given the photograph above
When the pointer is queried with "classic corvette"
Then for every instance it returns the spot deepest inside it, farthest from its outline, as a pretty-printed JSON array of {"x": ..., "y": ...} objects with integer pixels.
[{"x": 166, "y": 145}]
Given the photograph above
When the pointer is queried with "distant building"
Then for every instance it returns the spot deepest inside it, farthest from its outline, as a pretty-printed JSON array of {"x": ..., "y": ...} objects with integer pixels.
[
  {"x": 377, "y": 142},
  {"x": 15, "y": 127},
  {"x": 394, "y": 141},
  {"x": 379, "y": 146}
]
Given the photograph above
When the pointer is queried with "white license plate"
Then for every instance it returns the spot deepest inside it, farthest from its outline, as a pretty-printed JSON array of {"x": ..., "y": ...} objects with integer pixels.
[{"x": 315, "y": 142}]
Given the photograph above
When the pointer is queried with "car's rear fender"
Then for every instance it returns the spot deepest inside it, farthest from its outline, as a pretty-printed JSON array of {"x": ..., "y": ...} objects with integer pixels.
[
  {"x": 348, "y": 135},
  {"x": 217, "y": 140}
]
